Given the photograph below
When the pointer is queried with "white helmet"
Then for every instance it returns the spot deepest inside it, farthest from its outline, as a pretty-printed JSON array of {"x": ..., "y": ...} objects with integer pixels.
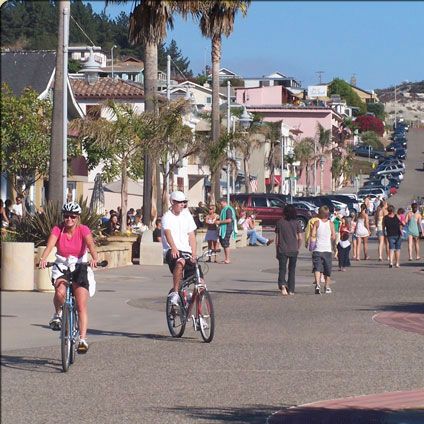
[
  {"x": 178, "y": 196},
  {"x": 72, "y": 207}
]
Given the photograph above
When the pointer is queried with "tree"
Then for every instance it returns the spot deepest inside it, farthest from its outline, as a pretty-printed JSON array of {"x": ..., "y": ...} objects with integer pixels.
[
  {"x": 181, "y": 64},
  {"x": 377, "y": 109},
  {"x": 217, "y": 19},
  {"x": 346, "y": 92},
  {"x": 122, "y": 140},
  {"x": 272, "y": 132},
  {"x": 370, "y": 138},
  {"x": 370, "y": 123},
  {"x": 25, "y": 137},
  {"x": 304, "y": 153}
]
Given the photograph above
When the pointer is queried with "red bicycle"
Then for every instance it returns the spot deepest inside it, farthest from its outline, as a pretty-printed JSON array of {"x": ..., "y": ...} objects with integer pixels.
[{"x": 194, "y": 304}]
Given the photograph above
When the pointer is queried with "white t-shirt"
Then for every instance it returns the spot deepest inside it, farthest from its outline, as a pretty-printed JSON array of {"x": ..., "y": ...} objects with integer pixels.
[
  {"x": 180, "y": 225},
  {"x": 17, "y": 209}
]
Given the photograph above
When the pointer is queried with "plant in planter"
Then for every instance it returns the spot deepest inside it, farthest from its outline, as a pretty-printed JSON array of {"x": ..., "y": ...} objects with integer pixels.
[{"x": 36, "y": 228}]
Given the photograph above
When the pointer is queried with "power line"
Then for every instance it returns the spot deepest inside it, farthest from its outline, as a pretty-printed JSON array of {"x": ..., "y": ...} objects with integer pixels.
[{"x": 79, "y": 26}]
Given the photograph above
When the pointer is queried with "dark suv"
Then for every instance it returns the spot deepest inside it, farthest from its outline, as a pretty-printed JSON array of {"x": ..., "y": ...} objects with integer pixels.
[{"x": 268, "y": 207}]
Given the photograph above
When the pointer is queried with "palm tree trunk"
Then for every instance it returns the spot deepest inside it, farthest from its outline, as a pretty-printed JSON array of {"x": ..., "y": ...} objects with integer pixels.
[
  {"x": 124, "y": 196},
  {"x": 216, "y": 58},
  {"x": 150, "y": 93},
  {"x": 246, "y": 176}
]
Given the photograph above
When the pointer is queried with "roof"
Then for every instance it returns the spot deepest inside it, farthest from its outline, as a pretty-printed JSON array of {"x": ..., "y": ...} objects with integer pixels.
[
  {"x": 105, "y": 88},
  {"x": 134, "y": 187},
  {"x": 28, "y": 69},
  {"x": 193, "y": 85}
]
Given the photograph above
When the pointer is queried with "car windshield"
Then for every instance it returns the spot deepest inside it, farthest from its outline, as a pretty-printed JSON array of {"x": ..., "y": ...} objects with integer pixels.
[{"x": 274, "y": 202}]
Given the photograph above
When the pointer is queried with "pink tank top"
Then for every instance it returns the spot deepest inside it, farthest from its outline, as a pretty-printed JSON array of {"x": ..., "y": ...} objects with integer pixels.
[{"x": 74, "y": 246}]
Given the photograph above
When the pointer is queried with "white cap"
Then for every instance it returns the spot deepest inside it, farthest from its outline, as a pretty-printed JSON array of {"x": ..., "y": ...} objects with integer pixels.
[{"x": 178, "y": 196}]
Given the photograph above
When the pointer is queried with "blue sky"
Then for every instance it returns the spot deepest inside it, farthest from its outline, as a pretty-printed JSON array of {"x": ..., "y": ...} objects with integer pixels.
[{"x": 380, "y": 41}]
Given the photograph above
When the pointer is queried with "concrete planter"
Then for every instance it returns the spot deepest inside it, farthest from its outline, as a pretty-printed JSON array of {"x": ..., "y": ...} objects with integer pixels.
[
  {"x": 43, "y": 282},
  {"x": 17, "y": 266}
]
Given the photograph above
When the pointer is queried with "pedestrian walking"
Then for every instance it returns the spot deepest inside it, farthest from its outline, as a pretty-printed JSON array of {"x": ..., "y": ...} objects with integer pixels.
[
  {"x": 352, "y": 229},
  {"x": 380, "y": 213},
  {"x": 288, "y": 241},
  {"x": 212, "y": 230},
  {"x": 393, "y": 228},
  {"x": 322, "y": 236},
  {"x": 336, "y": 219},
  {"x": 362, "y": 233},
  {"x": 227, "y": 228},
  {"x": 343, "y": 250},
  {"x": 413, "y": 225}
]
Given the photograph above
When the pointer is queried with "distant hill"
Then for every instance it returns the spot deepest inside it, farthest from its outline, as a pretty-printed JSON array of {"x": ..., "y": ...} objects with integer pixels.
[{"x": 409, "y": 101}]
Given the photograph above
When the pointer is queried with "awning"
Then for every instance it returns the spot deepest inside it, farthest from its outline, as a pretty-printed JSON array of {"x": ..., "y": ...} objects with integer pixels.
[{"x": 277, "y": 180}]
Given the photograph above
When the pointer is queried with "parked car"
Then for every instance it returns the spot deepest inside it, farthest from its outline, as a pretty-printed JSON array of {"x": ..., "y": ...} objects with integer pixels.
[
  {"x": 343, "y": 208},
  {"x": 392, "y": 160},
  {"x": 318, "y": 201},
  {"x": 394, "y": 175},
  {"x": 375, "y": 191},
  {"x": 367, "y": 151},
  {"x": 400, "y": 154},
  {"x": 351, "y": 202},
  {"x": 268, "y": 207},
  {"x": 389, "y": 169},
  {"x": 301, "y": 204},
  {"x": 395, "y": 145}
]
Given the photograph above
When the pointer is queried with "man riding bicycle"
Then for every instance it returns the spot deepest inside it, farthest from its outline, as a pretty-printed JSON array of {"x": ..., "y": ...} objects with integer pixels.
[{"x": 178, "y": 237}]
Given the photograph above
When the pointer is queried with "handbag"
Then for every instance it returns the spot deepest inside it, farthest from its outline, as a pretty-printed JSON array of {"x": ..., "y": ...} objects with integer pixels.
[{"x": 312, "y": 245}]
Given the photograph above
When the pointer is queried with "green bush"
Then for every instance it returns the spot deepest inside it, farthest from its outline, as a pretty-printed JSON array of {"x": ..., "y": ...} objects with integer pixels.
[
  {"x": 370, "y": 138},
  {"x": 37, "y": 228}
]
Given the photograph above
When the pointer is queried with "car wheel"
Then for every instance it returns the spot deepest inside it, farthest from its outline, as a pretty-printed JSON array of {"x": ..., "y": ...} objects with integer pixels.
[{"x": 302, "y": 222}]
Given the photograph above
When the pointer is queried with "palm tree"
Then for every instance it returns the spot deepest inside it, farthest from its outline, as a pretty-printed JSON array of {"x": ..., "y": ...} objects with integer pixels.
[
  {"x": 272, "y": 132},
  {"x": 217, "y": 19},
  {"x": 324, "y": 141},
  {"x": 148, "y": 24},
  {"x": 122, "y": 140},
  {"x": 304, "y": 153}
]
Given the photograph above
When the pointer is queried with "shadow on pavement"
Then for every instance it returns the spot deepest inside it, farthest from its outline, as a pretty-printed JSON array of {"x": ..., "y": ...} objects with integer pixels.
[
  {"x": 412, "y": 308},
  {"x": 255, "y": 414},
  {"x": 31, "y": 363},
  {"x": 251, "y": 292}
]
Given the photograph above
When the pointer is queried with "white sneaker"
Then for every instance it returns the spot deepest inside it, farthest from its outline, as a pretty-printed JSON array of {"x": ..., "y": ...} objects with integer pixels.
[
  {"x": 174, "y": 298},
  {"x": 56, "y": 321},
  {"x": 328, "y": 290}
]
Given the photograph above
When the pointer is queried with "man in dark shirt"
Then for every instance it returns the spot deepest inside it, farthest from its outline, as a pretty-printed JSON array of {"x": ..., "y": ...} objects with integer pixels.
[
  {"x": 288, "y": 241},
  {"x": 157, "y": 236}
]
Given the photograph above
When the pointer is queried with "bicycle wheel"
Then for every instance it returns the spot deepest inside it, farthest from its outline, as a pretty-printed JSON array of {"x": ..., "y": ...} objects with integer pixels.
[
  {"x": 175, "y": 317},
  {"x": 206, "y": 316},
  {"x": 74, "y": 338},
  {"x": 65, "y": 338}
]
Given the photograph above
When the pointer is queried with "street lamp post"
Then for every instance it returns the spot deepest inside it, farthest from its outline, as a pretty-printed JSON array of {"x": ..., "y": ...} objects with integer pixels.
[
  {"x": 285, "y": 132},
  {"x": 245, "y": 122},
  {"x": 321, "y": 162},
  {"x": 290, "y": 162},
  {"x": 111, "y": 54}
]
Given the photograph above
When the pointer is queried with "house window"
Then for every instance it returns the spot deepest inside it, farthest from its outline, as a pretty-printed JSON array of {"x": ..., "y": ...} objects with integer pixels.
[
  {"x": 180, "y": 184},
  {"x": 209, "y": 99},
  {"x": 71, "y": 194}
]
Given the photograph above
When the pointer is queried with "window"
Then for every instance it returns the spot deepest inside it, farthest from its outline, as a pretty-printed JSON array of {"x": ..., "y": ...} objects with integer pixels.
[
  {"x": 259, "y": 202},
  {"x": 275, "y": 203},
  {"x": 209, "y": 99}
]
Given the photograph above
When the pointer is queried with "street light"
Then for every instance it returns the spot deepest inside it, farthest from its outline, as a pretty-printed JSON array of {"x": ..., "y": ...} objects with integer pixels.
[
  {"x": 290, "y": 157},
  {"x": 321, "y": 162},
  {"x": 111, "y": 54},
  {"x": 285, "y": 132}
]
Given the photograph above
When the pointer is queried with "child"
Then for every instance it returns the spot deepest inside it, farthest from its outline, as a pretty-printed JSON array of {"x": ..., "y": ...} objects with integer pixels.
[{"x": 343, "y": 250}]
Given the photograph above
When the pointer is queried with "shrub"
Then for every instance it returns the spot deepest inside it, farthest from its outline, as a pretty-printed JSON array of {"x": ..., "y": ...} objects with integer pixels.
[
  {"x": 370, "y": 138},
  {"x": 36, "y": 228},
  {"x": 370, "y": 123}
]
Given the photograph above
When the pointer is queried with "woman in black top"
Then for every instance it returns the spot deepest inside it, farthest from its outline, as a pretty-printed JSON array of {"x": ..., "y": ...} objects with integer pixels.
[{"x": 393, "y": 229}]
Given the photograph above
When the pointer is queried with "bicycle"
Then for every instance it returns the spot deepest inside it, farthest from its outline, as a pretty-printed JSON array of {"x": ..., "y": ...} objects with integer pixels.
[
  {"x": 203, "y": 318},
  {"x": 69, "y": 332}
]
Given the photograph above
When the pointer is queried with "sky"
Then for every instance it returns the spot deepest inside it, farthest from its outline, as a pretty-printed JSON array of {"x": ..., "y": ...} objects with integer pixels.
[{"x": 381, "y": 42}]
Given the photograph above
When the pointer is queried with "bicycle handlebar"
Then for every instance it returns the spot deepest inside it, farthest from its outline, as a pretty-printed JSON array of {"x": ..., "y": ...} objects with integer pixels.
[
  {"x": 101, "y": 264},
  {"x": 206, "y": 253}
]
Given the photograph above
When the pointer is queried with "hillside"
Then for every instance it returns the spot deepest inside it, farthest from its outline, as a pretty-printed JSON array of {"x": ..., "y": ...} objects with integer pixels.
[{"x": 409, "y": 101}]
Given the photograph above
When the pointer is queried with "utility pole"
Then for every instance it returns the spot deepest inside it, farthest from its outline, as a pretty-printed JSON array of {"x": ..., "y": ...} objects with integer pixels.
[
  {"x": 319, "y": 73},
  {"x": 58, "y": 150},
  {"x": 395, "y": 108},
  {"x": 228, "y": 133}
]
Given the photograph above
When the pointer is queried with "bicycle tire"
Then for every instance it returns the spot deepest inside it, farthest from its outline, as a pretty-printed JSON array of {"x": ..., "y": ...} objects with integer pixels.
[
  {"x": 75, "y": 333},
  {"x": 65, "y": 338},
  {"x": 206, "y": 316},
  {"x": 175, "y": 317}
]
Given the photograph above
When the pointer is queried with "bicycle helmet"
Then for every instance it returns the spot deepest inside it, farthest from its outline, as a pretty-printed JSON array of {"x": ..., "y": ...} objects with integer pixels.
[{"x": 72, "y": 207}]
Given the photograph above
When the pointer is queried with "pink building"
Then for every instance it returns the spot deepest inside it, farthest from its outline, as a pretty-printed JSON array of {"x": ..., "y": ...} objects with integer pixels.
[
  {"x": 305, "y": 120},
  {"x": 272, "y": 95}
]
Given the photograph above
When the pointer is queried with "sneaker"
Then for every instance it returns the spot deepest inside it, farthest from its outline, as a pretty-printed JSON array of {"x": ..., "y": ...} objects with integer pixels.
[
  {"x": 201, "y": 322},
  {"x": 328, "y": 290},
  {"x": 317, "y": 289},
  {"x": 82, "y": 346},
  {"x": 174, "y": 298},
  {"x": 270, "y": 241},
  {"x": 390, "y": 265},
  {"x": 56, "y": 322}
]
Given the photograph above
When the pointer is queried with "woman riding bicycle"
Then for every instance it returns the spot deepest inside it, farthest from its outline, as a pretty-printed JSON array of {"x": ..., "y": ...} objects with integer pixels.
[{"x": 72, "y": 239}]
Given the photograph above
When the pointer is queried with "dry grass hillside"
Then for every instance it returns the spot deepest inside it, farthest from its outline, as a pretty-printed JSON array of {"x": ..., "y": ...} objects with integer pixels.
[{"x": 409, "y": 103}]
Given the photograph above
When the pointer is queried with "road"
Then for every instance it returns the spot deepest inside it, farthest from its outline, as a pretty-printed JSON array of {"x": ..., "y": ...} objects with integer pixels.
[
  {"x": 413, "y": 184},
  {"x": 269, "y": 352}
]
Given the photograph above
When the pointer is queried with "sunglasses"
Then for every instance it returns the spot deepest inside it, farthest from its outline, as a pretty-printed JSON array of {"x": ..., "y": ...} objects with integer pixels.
[
  {"x": 66, "y": 216},
  {"x": 180, "y": 201}
]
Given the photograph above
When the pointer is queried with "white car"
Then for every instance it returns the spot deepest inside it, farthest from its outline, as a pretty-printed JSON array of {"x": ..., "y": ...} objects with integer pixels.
[
  {"x": 390, "y": 169},
  {"x": 344, "y": 210}
]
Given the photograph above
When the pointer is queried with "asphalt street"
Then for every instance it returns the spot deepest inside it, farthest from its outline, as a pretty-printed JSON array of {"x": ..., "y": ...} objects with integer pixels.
[{"x": 269, "y": 352}]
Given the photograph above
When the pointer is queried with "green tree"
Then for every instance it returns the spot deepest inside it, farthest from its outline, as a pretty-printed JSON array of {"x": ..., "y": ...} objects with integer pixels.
[
  {"x": 180, "y": 65},
  {"x": 217, "y": 19},
  {"x": 122, "y": 140},
  {"x": 346, "y": 92},
  {"x": 370, "y": 138},
  {"x": 377, "y": 109},
  {"x": 25, "y": 137}
]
